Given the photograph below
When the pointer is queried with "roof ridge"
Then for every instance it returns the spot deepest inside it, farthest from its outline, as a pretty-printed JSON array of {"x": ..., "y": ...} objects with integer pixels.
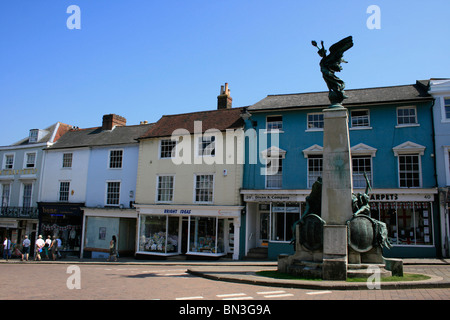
[
  {"x": 204, "y": 111},
  {"x": 357, "y": 89}
]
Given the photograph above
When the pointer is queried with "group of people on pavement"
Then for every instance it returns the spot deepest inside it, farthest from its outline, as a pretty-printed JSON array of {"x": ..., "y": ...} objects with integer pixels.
[{"x": 52, "y": 245}]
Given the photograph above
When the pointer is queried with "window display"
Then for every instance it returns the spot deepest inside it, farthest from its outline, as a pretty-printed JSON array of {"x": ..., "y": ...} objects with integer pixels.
[
  {"x": 206, "y": 235},
  {"x": 159, "y": 234},
  {"x": 408, "y": 223}
]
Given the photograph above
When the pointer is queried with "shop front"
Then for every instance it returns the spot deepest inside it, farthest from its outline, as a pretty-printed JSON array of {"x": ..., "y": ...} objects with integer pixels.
[
  {"x": 209, "y": 231},
  {"x": 101, "y": 224},
  {"x": 64, "y": 221},
  {"x": 409, "y": 215}
]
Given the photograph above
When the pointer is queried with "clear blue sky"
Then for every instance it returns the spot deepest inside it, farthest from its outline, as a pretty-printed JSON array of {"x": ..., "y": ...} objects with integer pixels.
[{"x": 145, "y": 58}]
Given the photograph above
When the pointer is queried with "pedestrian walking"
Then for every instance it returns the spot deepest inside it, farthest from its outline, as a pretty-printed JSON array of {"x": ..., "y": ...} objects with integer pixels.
[
  {"x": 58, "y": 247},
  {"x": 25, "y": 248},
  {"x": 6, "y": 248},
  {"x": 47, "y": 245},
  {"x": 53, "y": 247},
  {"x": 113, "y": 249},
  {"x": 39, "y": 245}
]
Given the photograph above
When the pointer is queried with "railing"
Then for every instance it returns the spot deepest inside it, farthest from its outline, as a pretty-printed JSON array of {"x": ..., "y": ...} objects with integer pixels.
[{"x": 19, "y": 212}]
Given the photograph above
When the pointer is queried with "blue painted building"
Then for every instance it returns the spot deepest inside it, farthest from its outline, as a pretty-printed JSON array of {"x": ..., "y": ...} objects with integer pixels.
[{"x": 391, "y": 138}]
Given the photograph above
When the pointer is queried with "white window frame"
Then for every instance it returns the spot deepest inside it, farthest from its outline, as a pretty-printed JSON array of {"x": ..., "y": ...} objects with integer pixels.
[
  {"x": 444, "y": 118},
  {"x": 205, "y": 147},
  {"x": 121, "y": 159},
  {"x": 409, "y": 148},
  {"x": 158, "y": 189},
  {"x": 26, "y": 158},
  {"x": 162, "y": 144},
  {"x": 5, "y": 198},
  {"x": 68, "y": 190},
  {"x": 66, "y": 160},
  {"x": 308, "y": 128},
  {"x": 279, "y": 123},
  {"x": 106, "y": 193},
  {"x": 359, "y": 127},
  {"x": 195, "y": 187},
  {"x": 22, "y": 194},
  {"x": 403, "y": 125},
  {"x": 5, "y": 159}
]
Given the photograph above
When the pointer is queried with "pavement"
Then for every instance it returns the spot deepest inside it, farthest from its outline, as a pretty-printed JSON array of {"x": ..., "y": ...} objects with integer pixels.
[{"x": 246, "y": 272}]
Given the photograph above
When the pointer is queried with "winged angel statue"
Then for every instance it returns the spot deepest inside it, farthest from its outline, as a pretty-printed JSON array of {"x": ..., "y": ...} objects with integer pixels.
[{"x": 330, "y": 64}]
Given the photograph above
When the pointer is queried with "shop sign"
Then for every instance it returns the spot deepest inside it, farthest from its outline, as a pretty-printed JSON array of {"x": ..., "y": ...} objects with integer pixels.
[
  {"x": 274, "y": 197},
  {"x": 8, "y": 224},
  {"x": 9, "y": 172},
  {"x": 400, "y": 197}
]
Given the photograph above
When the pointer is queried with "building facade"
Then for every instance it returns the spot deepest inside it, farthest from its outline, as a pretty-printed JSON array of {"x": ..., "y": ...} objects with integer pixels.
[
  {"x": 440, "y": 90},
  {"x": 391, "y": 141},
  {"x": 88, "y": 188},
  {"x": 189, "y": 175},
  {"x": 20, "y": 180}
]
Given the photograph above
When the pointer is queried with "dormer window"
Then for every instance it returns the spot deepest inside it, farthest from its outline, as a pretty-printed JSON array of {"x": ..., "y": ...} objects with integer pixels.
[{"x": 34, "y": 133}]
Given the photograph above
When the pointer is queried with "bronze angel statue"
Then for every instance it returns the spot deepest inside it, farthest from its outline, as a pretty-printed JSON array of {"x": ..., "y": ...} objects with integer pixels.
[{"x": 330, "y": 64}]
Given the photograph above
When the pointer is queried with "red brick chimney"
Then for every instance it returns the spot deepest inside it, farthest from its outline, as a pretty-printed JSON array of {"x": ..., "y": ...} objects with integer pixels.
[
  {"x": 112, "y": 120},
  {"x": 224, "y": 100}
]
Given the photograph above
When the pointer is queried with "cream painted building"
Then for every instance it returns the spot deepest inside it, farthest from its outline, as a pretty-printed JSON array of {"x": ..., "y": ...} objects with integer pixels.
[{"x": 189, "y": 176}]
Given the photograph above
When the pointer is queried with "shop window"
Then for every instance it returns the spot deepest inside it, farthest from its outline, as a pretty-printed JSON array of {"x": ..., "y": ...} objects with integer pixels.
[
  {"x": 408, "y": 223},
  {"x": 206, "y": 235},
  {"x": 284, "y": 215},
  {"x": 115, "y": 159},
  {"x": 159, "y": 234}
]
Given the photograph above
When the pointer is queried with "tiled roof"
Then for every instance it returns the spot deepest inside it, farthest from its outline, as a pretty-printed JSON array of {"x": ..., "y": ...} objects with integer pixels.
[
  {"x": 216, "y": 119},
  {"x": 380, "y": 95},
  {"x": 97, "y": 137}
]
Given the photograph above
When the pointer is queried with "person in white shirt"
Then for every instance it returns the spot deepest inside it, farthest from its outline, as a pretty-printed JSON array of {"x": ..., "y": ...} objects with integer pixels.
[
  {"x": 25, "y": 248},
  {"x": 6, "y": 248},
  {"x": 39, "y": 245}
]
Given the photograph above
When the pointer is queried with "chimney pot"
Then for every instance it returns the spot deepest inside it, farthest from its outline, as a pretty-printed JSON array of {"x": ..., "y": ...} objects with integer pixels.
[{"x": 224, "y": 100}]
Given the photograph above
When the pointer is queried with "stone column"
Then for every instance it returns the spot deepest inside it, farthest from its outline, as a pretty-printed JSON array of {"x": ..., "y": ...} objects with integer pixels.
[{"x": 337, "y": 190}]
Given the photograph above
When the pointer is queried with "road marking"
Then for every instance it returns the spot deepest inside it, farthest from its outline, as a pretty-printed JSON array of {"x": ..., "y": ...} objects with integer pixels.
[
  {"x": 234, "y": 296},
  {"x": 189, "y": 298},
  {"x": 239, "y": 298},
  {"x": 230, "y": 295},
  {"x": 271, "y": 292},
  {"x": 279, "y": 295},
  {"x": 318, "y": 292}
]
